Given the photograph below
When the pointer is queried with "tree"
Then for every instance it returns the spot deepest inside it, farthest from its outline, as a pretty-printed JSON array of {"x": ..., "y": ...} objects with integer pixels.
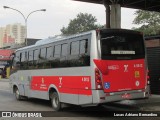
[
  {"x": 82, "y": 23},
  {"x": 149, "y": 21}
]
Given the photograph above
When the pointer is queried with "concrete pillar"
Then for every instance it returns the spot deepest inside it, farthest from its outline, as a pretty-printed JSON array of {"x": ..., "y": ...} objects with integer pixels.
[
  {"x": 107, "y": 14},
  {"x": 115, "y": 16}
]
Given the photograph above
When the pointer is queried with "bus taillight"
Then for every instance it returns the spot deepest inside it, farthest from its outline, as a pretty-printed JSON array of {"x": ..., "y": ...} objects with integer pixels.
[{"x": 98, "y": 80}]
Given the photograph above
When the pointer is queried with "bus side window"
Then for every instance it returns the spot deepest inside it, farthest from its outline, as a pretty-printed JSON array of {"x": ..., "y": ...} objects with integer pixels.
[
  {"x": 43, "y": 53},
  {"x": 74, "y": 48},
  {"x": 17, "y": 61},
  {"x": 23, "y": 57},
  {"x": 83, "y": 46},
  {"x": 35, "y": 57},
  {"x": 14, "y": 63},
  {"x": 26, "y": 56},
  {"x": 13, "y": 56},
  {"x": 22, "y": 60},
  {"x": 64, "y": 51},
  {"x": 49, "y": 53},
  {"x": 30, "y": 58},
  {"x": 57, "y": 51}
]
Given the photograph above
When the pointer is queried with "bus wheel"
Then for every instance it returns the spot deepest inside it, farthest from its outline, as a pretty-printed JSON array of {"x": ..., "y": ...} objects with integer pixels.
[
  {"x": 17, "y": 94},
  {"x": 56, "y": 104}
]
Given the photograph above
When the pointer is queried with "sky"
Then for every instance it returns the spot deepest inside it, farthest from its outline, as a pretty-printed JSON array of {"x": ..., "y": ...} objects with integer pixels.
[{"x": 58, "y": 13}]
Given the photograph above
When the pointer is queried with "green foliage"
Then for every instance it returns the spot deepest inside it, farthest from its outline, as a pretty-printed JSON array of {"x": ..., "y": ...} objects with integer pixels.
[
  {"x": 149, "y": 21},
  {"x": 82, "y": 23}
]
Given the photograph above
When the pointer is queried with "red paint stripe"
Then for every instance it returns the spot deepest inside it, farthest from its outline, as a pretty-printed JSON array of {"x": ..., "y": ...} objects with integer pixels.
[{"x": 65, "y": 84}]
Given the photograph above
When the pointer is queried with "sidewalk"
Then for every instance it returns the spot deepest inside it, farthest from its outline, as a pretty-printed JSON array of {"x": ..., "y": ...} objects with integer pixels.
[{"x": 4, "y": 80}]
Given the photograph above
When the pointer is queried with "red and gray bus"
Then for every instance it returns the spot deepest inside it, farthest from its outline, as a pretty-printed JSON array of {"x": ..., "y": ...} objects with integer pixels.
[{"x": 85, "y": 69}]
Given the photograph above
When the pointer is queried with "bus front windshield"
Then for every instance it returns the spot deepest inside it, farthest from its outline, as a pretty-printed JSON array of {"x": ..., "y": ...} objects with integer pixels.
[{"x": 122, "y": 46}]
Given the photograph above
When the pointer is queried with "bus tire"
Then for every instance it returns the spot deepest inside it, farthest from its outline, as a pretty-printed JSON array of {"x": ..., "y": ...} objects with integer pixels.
[
  {"x": 17, "y": 94},
  {"x": 56, "y": 104}
]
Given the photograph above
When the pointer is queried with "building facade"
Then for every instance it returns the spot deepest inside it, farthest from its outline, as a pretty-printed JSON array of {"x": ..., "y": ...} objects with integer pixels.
[
  {"x": 2, "y": 33},
  {"x": 12, "y": 34}
]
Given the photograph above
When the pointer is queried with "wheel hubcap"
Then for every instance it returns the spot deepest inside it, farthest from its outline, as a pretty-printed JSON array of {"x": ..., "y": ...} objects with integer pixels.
[
  {"x": 17, "y": 93},
  {"x": 55, "y": 102}
]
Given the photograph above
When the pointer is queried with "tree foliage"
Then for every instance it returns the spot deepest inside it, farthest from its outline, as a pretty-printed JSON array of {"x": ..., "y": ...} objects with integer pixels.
[
  {"x": 82, "y": 23},
  {"x": 149, "y": 21}
]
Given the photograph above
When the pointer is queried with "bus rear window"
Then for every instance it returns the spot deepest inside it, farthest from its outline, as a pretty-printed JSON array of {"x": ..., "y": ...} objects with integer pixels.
[{"x": 122, "y": 46}]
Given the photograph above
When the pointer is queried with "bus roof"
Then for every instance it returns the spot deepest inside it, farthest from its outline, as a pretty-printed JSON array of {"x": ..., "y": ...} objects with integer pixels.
[
  {"x": 54, "y": 39},
  {"x": 61, "y": 38}
]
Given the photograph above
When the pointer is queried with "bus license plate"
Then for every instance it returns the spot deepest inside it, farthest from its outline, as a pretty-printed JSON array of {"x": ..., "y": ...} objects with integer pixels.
[{"x": 126, "y": 96}]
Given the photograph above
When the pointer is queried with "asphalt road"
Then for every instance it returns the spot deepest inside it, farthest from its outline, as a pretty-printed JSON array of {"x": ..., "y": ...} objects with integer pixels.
[{"x": 9, "y": 103}]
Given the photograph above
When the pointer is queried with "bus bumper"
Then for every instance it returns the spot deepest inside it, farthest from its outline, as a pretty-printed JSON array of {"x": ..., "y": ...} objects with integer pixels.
[{"x": 118, "y": 96}]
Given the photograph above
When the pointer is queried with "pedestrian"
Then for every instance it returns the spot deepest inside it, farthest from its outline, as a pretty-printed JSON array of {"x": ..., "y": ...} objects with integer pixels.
[{"x": 2, "y": 73}]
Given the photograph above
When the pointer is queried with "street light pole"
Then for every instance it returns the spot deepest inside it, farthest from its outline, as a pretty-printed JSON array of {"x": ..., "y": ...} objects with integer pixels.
[{"x": 25, "y": 18}]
